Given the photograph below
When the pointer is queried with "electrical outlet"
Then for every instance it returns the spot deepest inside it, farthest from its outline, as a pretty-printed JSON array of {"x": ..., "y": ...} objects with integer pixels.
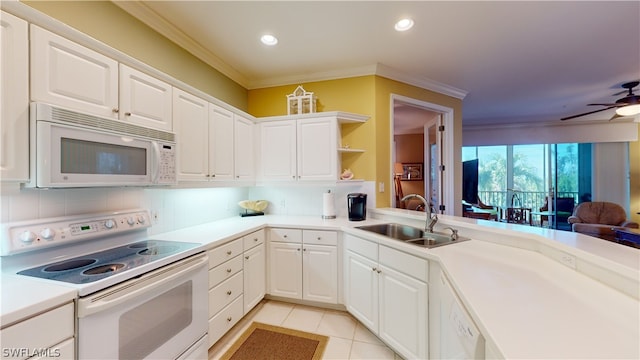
[
  {"x": 568, "y": 260},
  {"x": 282, "y": 203},
  {"x": 155, "y": 216},
  {"x": 381, "y": 187}
]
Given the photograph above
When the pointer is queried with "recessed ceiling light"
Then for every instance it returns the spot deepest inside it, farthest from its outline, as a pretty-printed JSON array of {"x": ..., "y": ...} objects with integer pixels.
[
  {"x": 269, "y": 39},
  {"x": 404, "y": 24}
]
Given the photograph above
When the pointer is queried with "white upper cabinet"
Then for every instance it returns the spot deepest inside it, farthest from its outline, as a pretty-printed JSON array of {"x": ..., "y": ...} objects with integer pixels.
[
  {"x": 278, "y": 150},
  {"x": 14, "y": 102},
  {"x": 72, "y": 76},
  {"x": 243, "y": 148},
  {"x": 191, "y": 115},
  {"x": 221, "y": 124},
  {"x": 303, "y": 148},
  {"x": 144, "y": 100},
  {"x": 317, "y": 149}
]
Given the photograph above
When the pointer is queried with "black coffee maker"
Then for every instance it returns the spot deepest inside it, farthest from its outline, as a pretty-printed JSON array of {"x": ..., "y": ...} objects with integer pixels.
[{"x": 357, "y": 206}]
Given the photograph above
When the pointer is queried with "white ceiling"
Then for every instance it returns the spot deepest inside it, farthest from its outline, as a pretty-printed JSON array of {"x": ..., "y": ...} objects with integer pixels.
[{"x": 515, "y": 61}]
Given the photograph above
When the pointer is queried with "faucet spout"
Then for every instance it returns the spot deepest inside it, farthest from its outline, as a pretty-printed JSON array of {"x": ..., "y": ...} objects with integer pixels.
[{"x": 431, "y": 220}]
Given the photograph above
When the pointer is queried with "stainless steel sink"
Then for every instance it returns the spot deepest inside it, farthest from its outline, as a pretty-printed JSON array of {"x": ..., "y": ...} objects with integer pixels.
[{"x": 411, "y": 235}]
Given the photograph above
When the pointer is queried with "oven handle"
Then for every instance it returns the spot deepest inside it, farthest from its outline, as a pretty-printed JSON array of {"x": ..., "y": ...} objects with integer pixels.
[{"x": 128, "y": 290}]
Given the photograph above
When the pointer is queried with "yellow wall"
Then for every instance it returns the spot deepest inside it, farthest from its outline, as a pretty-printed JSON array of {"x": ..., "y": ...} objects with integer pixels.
[{"x": 113, "y": 26}]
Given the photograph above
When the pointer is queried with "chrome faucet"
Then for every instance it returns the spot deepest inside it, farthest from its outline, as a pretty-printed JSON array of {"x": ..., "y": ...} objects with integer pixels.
[{"x": 431, "y": 220}]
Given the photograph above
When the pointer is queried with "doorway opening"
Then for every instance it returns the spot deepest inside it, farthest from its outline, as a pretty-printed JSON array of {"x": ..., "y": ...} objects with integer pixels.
[{"x": 422, "y": 148}]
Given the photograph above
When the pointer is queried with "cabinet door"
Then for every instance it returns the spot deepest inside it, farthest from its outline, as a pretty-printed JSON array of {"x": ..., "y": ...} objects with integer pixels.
[
  {"x": 145, "y": 100},
  {"x": 361, "y": 289},
  {"x": 72, "y": 76},
  {"x": 221, "y": 143},
  {"x": 243, "y": 149},
  {"x": 320, "y": 273},
  {"x": 285, "y": 270},
  {"x": 191, "y": 117},
  {"x": 254, "y": 277},
  {"x": 318, "y": 149},
  {"x": 403, "y": 313},
  {"x": 14, "y": 101},
  {"x": 278, "y": 150}
]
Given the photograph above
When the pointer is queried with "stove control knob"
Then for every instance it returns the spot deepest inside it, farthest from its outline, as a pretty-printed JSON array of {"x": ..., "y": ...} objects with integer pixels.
[
  {"x": 48, "y": 234},
  {"x": 109, "y": 224},
  {"x": 27, "y": 237},
  {"x": 141, "y": 219},
  {"x": 131, "y": 221}
]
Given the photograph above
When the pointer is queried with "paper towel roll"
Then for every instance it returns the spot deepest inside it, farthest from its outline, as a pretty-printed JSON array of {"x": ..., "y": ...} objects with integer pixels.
[{"x": 328, "y": 206}]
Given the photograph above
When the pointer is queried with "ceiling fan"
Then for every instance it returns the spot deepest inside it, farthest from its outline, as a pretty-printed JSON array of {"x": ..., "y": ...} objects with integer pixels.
[{"x": 626, "y": 106}]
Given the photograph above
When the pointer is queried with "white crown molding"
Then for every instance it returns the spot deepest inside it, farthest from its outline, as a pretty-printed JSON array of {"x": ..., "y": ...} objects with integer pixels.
[
  {"x": 421, "y": 82},
  {"x": 152, "y": 19},
  {"x": 310, "y": 77}
]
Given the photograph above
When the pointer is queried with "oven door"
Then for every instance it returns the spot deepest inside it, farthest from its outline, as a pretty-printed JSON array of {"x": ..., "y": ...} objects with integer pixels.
[{"x": 159, "y": 315}]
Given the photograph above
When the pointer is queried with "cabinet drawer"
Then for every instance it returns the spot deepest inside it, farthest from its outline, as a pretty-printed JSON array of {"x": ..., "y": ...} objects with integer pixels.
[
  {"x": 224, "y": 293},
  {"x": 285, "y": 235},
  {"x": 405, "y": 263},
  {"x": 253, "y": 239},
  {"x": 224, "y": 271},
  {"x": 224, "y": 320},
  {"x": 361, "y": 246},
  {"x": 225, "y": 252},
  {"x": 320, "y": 237},
  {"x": 36, "y": 332}
]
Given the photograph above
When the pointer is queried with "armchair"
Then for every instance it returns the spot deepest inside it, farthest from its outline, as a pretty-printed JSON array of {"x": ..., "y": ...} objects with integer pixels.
[{"x": 600, "y": 219}]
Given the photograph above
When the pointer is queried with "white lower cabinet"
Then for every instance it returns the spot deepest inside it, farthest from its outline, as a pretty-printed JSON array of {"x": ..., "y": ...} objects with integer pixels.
[
  {"x": 303, "y": 264},
  {"x": 387, "y": 291},
  {"x": 254, "y": 269},
  {"x": 225, "y": 288},
  {"x": 33, "y": 338}
]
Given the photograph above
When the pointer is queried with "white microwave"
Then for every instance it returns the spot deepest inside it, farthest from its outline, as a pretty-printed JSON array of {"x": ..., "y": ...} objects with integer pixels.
[{"x": 71, "y": 149}]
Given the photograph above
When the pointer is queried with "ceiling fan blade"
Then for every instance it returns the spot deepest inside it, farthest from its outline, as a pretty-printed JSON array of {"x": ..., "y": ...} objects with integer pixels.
[
  {"x": 612, "y": 105},
  {"x": 588, "y": 113}
]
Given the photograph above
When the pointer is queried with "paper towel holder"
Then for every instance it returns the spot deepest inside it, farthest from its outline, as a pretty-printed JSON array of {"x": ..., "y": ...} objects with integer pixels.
[{"x": 328, "y": 206}]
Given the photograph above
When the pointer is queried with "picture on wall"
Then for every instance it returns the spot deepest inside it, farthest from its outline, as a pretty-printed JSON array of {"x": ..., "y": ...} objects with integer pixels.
[{"x": 412, "y": 172}]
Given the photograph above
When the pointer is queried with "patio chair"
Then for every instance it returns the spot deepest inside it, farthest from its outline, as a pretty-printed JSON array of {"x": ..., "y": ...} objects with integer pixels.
[{"x": 600, "y": 219}]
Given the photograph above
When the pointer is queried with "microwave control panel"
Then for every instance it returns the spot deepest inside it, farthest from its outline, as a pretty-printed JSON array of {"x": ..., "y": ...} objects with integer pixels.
[{"x": 167, "y": 163}]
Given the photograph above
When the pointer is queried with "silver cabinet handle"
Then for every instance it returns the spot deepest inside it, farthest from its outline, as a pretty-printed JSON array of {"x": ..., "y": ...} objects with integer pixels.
[
  {"x": 255, "y": 239},
  {"x": 229, "y": 319},
  {"x": 319, "y": 238},
  {"x": 229, "y": 292},
  {"x": 374, "y": 269},
  {"x": 229, "y": 252},
  {"x": 115, "y": 111},
  {"x": 246, "y": 257},
  {"x": 228, "y": 270},
  {"x": 378, "y": 271},
  {"x": 127, "y": 114}
]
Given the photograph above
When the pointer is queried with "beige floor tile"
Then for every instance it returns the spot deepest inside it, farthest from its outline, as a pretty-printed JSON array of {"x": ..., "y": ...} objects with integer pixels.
[
  {"x": 273, "y": 313},
  {"x": 337, "y": 324},
  {"x": 337, "y": 348},
  {"x": 363, "y": 334},
  {"x": 361, "y": 350},
  {"x": 304, "y": 318}
]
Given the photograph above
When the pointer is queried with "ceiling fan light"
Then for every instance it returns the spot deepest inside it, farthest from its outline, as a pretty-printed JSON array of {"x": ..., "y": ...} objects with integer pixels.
[{"x": 629, "y": 110}]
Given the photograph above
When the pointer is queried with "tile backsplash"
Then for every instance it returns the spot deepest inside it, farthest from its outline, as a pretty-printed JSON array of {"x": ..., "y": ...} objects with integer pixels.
[{"x": 173, "y": 209}]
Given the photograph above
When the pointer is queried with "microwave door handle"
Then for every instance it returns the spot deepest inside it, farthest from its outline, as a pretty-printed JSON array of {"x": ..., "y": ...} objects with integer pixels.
[{"x": 155, "y": 164}]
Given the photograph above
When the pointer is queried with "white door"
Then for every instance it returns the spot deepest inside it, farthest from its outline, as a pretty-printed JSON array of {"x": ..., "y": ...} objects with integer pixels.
[
  {"x": 243, "y": 148},
  {"x": 403, "y": 313},
  {"x": 14, "y": 101},
  {"x": 285, "y": 269},
  {"x": 320, "y": 273},
  {"x": 145, "y": 100},
  {"x": 70, "y": 75},
  {"x": 191, "y": 117},
  {"x": 254, "y": 277},
  {"x": 278, "y": 150},
  {"x": 318, "y": 149},
  {"x": 221, "y": 143},
  {"x": 361, "y": 289}
]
